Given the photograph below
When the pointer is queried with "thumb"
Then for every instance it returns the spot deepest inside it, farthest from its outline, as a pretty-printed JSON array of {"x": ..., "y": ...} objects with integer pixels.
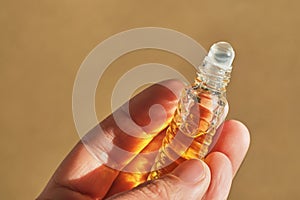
[{"x": 189, "y": 180}]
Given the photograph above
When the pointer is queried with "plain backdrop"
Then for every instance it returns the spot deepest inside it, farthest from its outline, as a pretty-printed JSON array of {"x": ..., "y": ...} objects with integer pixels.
[{"x": 43, "y": 43}]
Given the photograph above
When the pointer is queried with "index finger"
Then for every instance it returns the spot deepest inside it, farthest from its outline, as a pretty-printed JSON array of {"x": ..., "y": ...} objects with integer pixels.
[
  {"x": 234, "y": 143},
  {"x": 112, "y": 146}
]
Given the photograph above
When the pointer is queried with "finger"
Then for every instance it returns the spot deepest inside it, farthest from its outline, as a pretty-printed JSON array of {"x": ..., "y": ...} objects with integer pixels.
[
  {"x": 234, "y": 142},
  {"x": 189, "y": 180},
  {"x": 80, "y": 174},
  {"x": 80, "y": 171},
  {"x": 136, "y": 172},
  {"x": 221, "y": 176},
  {"x": 121, "y": 136}
]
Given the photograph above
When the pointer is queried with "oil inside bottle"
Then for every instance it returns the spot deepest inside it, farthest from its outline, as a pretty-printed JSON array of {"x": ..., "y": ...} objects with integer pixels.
[{"x": 198, "y": 115}]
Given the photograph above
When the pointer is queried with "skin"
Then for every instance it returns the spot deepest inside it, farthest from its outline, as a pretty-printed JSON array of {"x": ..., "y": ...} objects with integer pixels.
[{"x": 82, "y": 177}]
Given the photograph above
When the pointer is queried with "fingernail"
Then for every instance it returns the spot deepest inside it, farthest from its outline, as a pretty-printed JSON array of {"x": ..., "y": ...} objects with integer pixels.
[{"x": 190, "y": 171}]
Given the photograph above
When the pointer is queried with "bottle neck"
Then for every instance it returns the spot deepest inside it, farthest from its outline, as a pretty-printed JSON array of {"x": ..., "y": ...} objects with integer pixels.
[{"x": 212, "y": 77}]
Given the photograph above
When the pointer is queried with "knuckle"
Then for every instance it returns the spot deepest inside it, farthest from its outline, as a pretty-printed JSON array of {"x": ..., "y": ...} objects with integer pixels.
[{"x": 158, "y": 189}]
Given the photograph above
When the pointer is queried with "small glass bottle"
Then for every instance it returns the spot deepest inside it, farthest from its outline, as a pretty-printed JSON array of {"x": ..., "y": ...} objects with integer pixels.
[{"x": 199, "y": 113}]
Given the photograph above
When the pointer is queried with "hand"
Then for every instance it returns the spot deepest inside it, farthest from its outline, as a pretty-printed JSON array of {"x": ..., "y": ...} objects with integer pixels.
[{"x": 82, "y": 177}]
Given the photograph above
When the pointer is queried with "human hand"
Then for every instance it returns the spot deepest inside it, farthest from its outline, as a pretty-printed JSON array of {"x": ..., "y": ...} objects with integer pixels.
[{"x": 82, "y": 177}]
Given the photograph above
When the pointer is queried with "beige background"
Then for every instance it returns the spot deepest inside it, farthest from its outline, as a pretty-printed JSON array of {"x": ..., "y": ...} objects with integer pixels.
[{"x": 42, "y": 44}]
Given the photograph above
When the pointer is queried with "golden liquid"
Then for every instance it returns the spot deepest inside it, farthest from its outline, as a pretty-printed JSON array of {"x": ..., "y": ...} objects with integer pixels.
[{"x": 178, "y": 145}]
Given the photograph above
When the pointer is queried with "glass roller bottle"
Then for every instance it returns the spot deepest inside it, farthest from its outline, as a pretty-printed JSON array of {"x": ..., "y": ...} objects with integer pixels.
[{"x": 199, "y": 113}]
